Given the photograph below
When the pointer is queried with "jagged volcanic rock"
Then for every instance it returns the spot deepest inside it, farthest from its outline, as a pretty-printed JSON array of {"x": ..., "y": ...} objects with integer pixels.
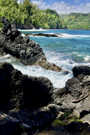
[
  {"x": 19, "y": 90},
  {"x": 25, "y": 101},
  {"x": 29, "y": 52},
  {"x": 77, "y": 70}
]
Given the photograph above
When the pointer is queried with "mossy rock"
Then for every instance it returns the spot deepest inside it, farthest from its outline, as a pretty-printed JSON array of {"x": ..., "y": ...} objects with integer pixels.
[{"x": 65, "y": 119}]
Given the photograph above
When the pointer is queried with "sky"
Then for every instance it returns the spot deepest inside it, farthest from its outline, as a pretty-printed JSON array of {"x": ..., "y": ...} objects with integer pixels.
[{"x": 64, "y": 6}]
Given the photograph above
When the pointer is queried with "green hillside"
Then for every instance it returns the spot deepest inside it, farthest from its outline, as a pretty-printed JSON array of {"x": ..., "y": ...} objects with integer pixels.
[
  {"x": 77, "y": 21},
  {"x": 29, "y": 15}
]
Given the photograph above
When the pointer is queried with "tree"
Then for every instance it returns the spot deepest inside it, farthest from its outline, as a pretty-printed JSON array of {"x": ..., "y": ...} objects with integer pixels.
[
  {"x": 27, "y": 5},
  {"x": 8, "y": 8},
  {"x": 12, "y": 11},
  {"x": 27, "y": 13}
]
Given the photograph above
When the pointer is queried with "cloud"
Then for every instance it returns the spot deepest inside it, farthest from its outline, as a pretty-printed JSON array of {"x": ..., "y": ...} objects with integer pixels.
[
  {"x": 41, "y": 4},
  {"x": 20, "y": 1},
  {"x": 63, "y": 7}
]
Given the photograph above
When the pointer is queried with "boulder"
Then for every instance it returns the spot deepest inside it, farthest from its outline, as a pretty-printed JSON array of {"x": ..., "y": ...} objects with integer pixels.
[
  {"x": 19, "y": 90},
  {"x": 37, "y": 92},
  {"x": 49, "y": 66},
  {"x": 35, "y": 120},
  {"x": 75, "y": 96},
  {"x": 77, "y": 70},
  {"x": 73, "y": 87},
  {"x": 26, "y": 50},
  {"x": 26, "y": 102},
  {"x": 78, "y": 128}
]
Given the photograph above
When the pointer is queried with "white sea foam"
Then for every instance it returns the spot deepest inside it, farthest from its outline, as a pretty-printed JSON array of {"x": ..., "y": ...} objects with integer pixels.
[
  {"x": 87, "y": 58},
  {"x": 66, "y": 63},
  {"x": 27, "y": 30},
  {"x": 57, "y": 78},
  {"x": 62, "y": 35},
  {"x": 6, "y": 58},
  {"x": 65, "y": 35},
  {"x": 23, "y": 35},
  {"x": 59, "y": 60}
]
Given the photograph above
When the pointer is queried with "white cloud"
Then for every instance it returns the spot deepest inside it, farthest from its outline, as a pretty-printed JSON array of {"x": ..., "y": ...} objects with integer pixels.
[
  {"x": 20, "y": 1},
  {"x": 63, "y": 7},
  {"x": 41, "y": 4}
]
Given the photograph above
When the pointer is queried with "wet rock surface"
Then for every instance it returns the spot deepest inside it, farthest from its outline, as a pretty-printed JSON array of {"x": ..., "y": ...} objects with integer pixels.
[
  {"x": 84, "y": 70},
  {"x": 26, "y": 50},
  {"x": 13, "y": 43},
  {"x": 75, "y": 97},
  {"x": 30, "y": 104}
]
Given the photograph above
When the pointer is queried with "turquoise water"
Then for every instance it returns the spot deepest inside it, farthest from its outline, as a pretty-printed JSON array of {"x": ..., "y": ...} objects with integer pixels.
[{"x": 72, "y": 48}]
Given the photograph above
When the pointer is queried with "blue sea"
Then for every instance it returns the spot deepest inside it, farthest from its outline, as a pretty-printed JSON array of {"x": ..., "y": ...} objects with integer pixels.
[{"x": 66, "y": 51}]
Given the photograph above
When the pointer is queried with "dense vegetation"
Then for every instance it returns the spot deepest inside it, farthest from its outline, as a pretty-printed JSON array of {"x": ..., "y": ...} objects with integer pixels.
[
  {"x": 30, "y": 16},
  {"x": 77, "y": 21}
]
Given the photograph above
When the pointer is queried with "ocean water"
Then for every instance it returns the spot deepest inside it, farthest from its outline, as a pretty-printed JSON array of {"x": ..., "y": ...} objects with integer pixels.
[{"x": 72, "y": 48}]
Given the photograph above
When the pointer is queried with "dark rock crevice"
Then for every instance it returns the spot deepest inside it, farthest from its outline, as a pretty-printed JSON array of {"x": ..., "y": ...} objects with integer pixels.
[{"x": 25, "y": 101}]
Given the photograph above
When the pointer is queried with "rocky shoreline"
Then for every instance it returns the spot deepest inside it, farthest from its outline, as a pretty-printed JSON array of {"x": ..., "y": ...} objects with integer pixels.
[
  {"x": 28, "y": 104},
  {"x": 45, "y": 35},
  {"x": 32, "y": 104},
  {"x": 24, "y": 49}
]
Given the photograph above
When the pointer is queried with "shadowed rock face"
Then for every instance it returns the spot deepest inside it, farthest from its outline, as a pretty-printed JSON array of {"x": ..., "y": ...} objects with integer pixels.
[
  {"x": 9, "y": 125},
  {"x": 74, "y": 128},
  {"x": 31, "y": 98},
  {"x": 23, "y": 91},
  {"x": 85, "y": 70},
  {"x": 28, "y": 96},
  {"x": 5, "y": 79},
  {"x": 29, "y": 52},
  {"x": 35, "y": 91}
]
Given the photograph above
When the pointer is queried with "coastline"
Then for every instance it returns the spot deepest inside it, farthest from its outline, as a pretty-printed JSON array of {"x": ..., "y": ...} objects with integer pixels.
[
  {"x": 51, "y": 29},
  {"x": 33, "y": 103}
]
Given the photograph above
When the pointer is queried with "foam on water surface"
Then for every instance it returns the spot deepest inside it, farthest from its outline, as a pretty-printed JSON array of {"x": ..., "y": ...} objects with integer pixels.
[
  {"x": 57, "y": 78},
  {"x": 28, "y": 30},
  {"x": 70, "y": 50},
  {"x": 65, "y": 35}
]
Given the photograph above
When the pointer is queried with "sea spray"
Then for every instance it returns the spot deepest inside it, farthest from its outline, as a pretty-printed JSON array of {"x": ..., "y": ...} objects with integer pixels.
[{"x": 66, "y": 52}]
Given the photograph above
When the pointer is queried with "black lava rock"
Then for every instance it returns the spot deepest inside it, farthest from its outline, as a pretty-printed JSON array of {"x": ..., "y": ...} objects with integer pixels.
[
  {"x": 19, "y": 90},
  {"x": 12, "y": 42},
  {"x": 77, "y": 70}
]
